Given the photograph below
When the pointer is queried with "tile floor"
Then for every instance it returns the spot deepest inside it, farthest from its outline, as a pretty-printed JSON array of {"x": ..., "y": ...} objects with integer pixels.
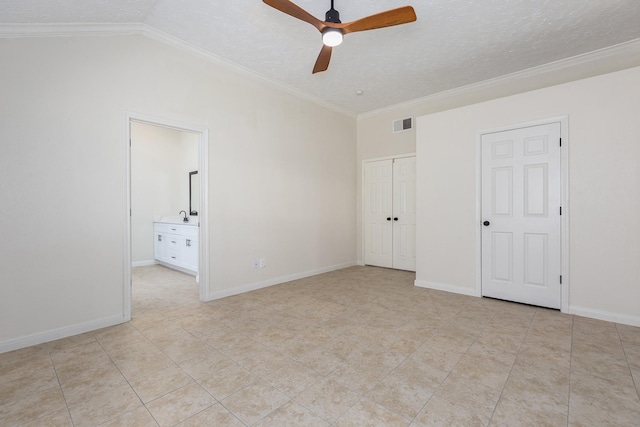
[{"x": 356, "y": 347}]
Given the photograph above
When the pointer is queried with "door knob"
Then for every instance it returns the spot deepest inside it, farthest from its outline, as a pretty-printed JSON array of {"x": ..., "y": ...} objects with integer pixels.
[
  {"x": 388, "y": 218},
  {"x": 395, "y": 219},
  {"x": 486, "y": 223}
]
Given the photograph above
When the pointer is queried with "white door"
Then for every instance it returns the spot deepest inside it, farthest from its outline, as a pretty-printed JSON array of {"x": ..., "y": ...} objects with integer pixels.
[
  {"x": 404, "y": 213},
  {"x": 521, "y": 208},
  {"x": 378, "y": 211},
  {"x": 390, "y": 213}
]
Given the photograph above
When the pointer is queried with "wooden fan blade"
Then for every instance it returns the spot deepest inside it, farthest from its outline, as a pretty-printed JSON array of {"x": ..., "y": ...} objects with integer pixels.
[
  {"x": 401, "y": 15},
  {"x": 296, "y": 11},
  {"x": 322, "y": 63}
]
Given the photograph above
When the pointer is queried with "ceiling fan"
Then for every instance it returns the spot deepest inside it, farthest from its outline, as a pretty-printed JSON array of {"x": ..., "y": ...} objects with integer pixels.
[{"x": 333, "y": 29}]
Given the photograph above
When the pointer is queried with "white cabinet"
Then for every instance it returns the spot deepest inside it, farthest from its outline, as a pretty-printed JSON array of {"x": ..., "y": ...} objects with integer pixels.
[
  {"x": 389, "y": 213},
  {"x": 176, "y": 246}
]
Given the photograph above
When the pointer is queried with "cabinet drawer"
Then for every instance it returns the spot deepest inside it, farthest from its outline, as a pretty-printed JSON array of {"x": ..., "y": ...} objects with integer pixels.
[
  {"x": 160, "y": 228},
  {"x": 173, "y": 256}
]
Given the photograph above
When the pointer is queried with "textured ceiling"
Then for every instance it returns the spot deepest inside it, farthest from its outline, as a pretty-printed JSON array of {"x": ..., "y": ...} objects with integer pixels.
[{"x": 453, "y": 43}]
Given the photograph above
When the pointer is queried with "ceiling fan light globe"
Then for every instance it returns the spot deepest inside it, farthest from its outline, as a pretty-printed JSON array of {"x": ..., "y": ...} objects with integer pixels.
[{"x": 332, "y": 37}]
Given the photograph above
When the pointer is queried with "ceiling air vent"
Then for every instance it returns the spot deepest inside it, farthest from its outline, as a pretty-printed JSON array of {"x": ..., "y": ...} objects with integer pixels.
[{"x": 401, "y": 125}]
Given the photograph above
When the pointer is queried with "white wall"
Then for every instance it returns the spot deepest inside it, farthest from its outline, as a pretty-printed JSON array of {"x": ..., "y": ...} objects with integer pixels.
[
  {"x": 278, "y": 188},
  {"x": 161, "y": 159},
  {"x": 604, "y": 167}
]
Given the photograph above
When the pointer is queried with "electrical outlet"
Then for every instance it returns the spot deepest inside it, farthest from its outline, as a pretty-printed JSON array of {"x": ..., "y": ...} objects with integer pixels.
[
  {"x": 263, "y": 263},
  {"x": 256, "y": 263}
]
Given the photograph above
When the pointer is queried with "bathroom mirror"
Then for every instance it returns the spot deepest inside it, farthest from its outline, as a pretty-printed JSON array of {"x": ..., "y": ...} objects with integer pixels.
[{"x": 194, "y": 193}]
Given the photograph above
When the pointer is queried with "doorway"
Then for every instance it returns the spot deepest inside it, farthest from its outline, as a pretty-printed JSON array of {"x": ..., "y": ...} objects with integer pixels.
[
  {"x": 198, "y": 136},
  {"x": 389, "y": 213},
  {"x": 521, "y": 220}
]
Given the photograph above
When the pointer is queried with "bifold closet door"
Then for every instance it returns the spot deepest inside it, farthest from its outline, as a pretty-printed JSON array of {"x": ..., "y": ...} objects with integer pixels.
[
  {"x": 390, "y": 213},
  {"x": 404, "y": 213},
  {"x": 378, "y": 222}
]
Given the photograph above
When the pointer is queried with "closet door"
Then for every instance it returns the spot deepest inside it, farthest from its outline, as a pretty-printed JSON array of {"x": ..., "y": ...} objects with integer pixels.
[
  {"x": 404, "y": 213},
  {"x": 377, "y": 218},
  {"x": 389, "y": 219}
]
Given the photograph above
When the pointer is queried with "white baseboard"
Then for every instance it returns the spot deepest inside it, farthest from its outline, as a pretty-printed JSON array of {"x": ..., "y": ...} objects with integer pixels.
[
  {"x": 624, "y": 319},
  {"x": 446, "y": 287},
  {"x": 56, "y": 334},
  {"x": 143, "y": 263},
  {"x": 276, "y": 281}
]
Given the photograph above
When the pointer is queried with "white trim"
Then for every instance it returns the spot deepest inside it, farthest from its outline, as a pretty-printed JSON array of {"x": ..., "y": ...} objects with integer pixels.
[
  {"x": 446, "y": 287},
  {"x": 278, "y": 280},
  {"x": 605, "y": 315},
  {"x": 396, "y": 156},
  {"x": 143, "y": 263},
  {"x": 8, "y": 31},
  {"x": 564, "y": 220},
  {"x": 56, "y": 334},
  {"x": 203, "y": 219},
  {"x": 70, "y": 30},
  {"x": 605, "y": 60}
]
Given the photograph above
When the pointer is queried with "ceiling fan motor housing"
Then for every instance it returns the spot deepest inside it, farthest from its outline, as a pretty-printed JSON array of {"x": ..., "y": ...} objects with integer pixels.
[{"x": 332, "y": 16}]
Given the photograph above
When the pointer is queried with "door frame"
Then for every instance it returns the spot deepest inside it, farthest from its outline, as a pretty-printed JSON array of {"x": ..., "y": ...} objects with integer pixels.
[
  {"x": 564, "y": 185},
  {"x": 362, "y": 195},
  {"x": 203, "y": 218}
]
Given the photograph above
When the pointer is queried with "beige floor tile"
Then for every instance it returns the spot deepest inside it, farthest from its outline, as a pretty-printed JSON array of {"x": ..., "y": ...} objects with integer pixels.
[
  {"x": 403, "y": 397},
  {"x": 607, "y": 394},
  {"x": 440, "y": 357},
  {"x": 629, "y": 334},
  {"x": 368, "y": 413},
  {"x": 59, "y": 418},
  {"x": 86, "y": 386},
  {"x": 23, "y": 381},
  {"x": 216, "y": 415},
  {"x": 140, "y": 360},
  {"x": 517, "y": 411},
  {"x": 205, "y": 364},
  {"x": 473, "y": 395},
  {"x": 137, "y": 418},
  {"x": 254, "y": 402},
  {"x": 24, "y": 356},
  {"x": 322, "y": 360},
  {"x": 180, "y": 404},
  {"x": 118, "y": 337},
  {"x": 327, "y": 399},
  {"x": 291, "y": 414},
  {"x": 105, "y": 406},
  {"x": 359, "y": 378},
  {"x": 550, "y": 390},
  {"x": 160, "y": 383},
  {"x": 632, "y": 353},
  {"x": 440, "y": 412},
  {"x": 293, "y": 378},
  {"x": 228, "y": 380},
  {"x": 582, "y": 414},
  {"x": 325, "y": 341},
  {"x": 263, "y": 362},
  {"x": 32, "y": 407}
]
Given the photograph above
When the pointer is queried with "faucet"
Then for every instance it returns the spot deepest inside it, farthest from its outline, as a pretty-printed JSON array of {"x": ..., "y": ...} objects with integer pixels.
[{"x": 185, "y": 219}]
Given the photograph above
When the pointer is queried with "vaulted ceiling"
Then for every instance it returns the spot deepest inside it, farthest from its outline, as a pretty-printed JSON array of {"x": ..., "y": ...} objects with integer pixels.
[{"x": 453, "y": 43}]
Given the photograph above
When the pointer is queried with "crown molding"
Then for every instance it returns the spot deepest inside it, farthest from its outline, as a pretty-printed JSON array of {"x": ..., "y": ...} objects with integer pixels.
[
  {"x": 602, "y": 61},
  {"x": 70, "y": 30}
]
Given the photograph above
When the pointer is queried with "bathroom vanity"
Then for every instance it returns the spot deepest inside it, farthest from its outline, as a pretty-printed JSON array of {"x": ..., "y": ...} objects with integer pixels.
[{"x": 175, "y": 245}]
